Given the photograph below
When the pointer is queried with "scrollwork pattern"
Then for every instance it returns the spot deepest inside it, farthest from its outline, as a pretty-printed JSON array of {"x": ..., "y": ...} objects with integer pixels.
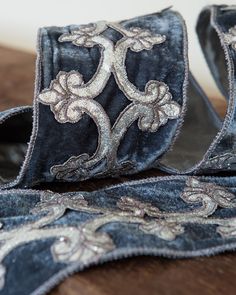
[
  {"x": 69, "y": 97},
  {"x": 86, "y": 243}
]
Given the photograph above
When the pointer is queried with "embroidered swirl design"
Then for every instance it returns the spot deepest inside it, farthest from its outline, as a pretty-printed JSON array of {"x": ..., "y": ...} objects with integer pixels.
[
  {"x": 230, "y": 37},
  {"x": 69, "y": 97},
  {"x": 84, "y": 242}
]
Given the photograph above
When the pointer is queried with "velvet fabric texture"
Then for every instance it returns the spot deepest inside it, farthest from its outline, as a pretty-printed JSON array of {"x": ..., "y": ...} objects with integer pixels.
[
  {"x": 46, "y": 236},
  {"x": 213, "y": 26},
  {"x": 204, "y": 144},
  {"x": 56, "y": 142},
  {"x": 53, "y": 143},
  {"x": 37, "y": 269}
]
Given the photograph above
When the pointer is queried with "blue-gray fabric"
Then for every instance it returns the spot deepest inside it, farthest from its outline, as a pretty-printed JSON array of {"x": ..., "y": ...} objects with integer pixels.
[
  {"x": 53, "y": 143},
  {"x": 31, "y": 267},
  {"x": 57, "y": 142},
  {"x": 203, "y": 135},
  {"x": 213, "y": 22},
  {"x": 34, "y": 267}
]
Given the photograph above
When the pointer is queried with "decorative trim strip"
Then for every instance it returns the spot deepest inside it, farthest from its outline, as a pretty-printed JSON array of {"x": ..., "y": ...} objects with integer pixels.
[
  {"x": 84, "y": 243},
  {"x": 69, "y": 97}
]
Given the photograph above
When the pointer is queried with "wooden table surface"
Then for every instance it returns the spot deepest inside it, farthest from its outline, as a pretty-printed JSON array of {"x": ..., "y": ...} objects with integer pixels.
[{"x": 140, "y": 275}]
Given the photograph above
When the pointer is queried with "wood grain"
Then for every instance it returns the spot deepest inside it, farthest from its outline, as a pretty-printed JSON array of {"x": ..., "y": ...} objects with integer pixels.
[
  {"x": 16, "y": 78},
  {"x": 135, "y": 276}
]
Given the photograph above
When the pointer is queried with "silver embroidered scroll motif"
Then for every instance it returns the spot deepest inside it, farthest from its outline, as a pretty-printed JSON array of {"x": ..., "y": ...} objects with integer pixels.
[
  {"x": 69, "y": 97},
  {"x": 85, "y": 242},
  {"x": 230, "y": 37}
]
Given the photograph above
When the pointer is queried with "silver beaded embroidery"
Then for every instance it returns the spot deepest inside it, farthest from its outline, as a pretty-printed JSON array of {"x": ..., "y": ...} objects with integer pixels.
[
  {"x": 230, "y": 37},
  {"x": 69, "y": 97},
  {"x": 225, "y": 161},
  {"x": 84, "y": 242}
]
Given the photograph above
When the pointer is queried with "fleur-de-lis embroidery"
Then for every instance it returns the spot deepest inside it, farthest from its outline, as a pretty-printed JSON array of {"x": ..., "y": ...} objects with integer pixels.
[
  {"x": 51, "y": 201},
  {"x": 84, "y": 36},
  {"x": 163, "y": 229},
  {"x": 90, "y": 246},
  {"x": 69, "y": 97},
  {"x": 210, "y": 195},
  {"x": 137, "y": 207},
  {"x": 230, "y": 37}
]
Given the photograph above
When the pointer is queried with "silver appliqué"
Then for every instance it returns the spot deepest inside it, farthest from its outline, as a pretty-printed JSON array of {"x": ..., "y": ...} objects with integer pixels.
[
  {"x": 69, "y": 97},
  {"x": 84, "y": 242}
]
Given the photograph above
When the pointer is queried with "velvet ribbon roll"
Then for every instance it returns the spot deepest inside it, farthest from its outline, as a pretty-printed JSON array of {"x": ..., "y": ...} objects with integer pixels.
[
  {"x": 110, "y": 99},
  {"x": 46, "y": 236},
  {"x": 207, "y": 143},
  {"x": 218, "y": 40}
]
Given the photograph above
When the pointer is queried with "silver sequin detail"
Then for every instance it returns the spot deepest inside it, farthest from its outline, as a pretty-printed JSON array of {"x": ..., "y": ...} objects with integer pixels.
[
  {"x": 84, "y": 243},
  {"x": 69, "y": 97}
]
